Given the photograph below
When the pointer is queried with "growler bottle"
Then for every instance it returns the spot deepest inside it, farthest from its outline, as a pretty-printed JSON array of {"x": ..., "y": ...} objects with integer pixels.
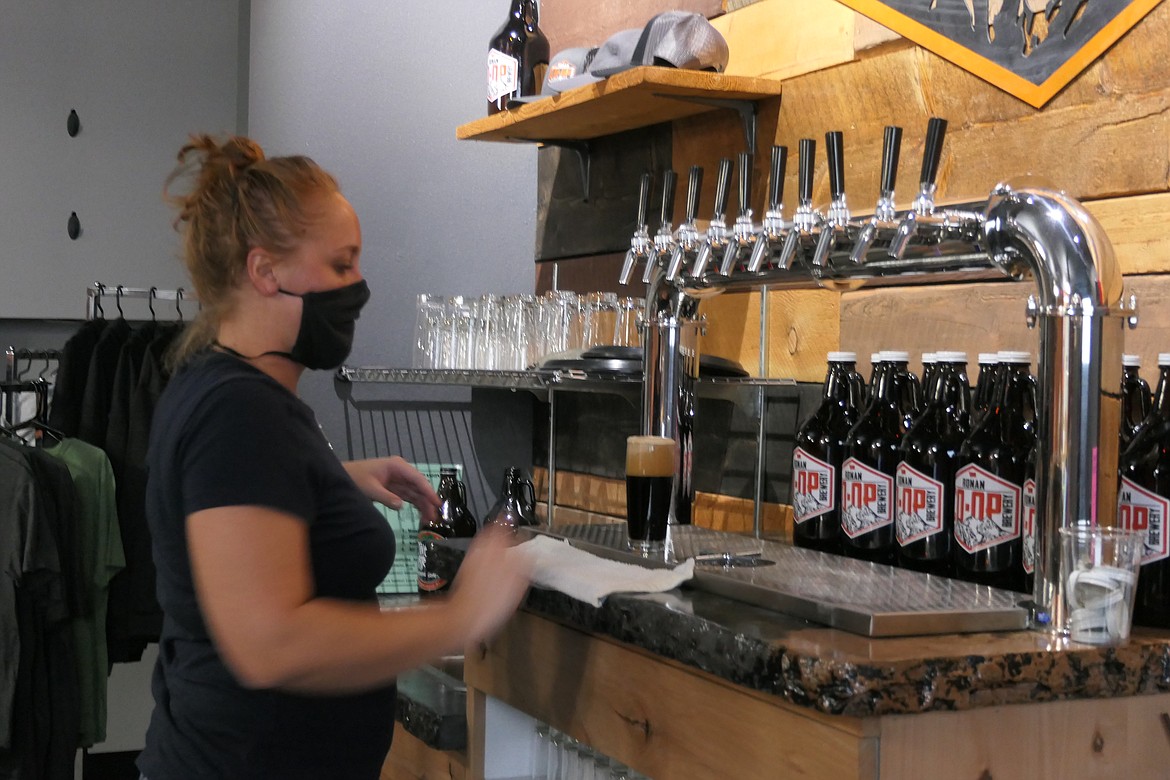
[
  {"x": 871, "y": 462},
  {"x": 515, "y": 505},
  {"x": 984, "y": 385},
  {"x": 925, "y": 485},
  {"x": 517, "y": 57},
  {"x": 437, "y": 563},
  {"x": 1144, "y": 501},
  {"x": 1135, "y": 398},
  {"x": 817, "y": 457},
  {"x": 1028, "y": 521},
  {"x": 989, "y": 482},
  {"x": 929, "y": 371}
]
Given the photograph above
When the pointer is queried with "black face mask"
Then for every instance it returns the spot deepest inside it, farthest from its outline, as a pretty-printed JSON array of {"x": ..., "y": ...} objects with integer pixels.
[{"x": 325, "y": 336}]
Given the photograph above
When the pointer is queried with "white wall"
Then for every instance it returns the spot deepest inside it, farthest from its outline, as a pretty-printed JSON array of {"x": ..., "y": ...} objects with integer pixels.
[{"x": 373, "y": 90}]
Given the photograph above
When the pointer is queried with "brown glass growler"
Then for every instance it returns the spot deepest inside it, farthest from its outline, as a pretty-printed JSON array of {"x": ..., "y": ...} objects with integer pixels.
[
  {"x": 1144, "y": 502},
  {"x": 437, "y": 563},
  {"x": 989, "y": 482},
  {"x": 514, "y": 508},
  {"x": 517, "y": 57},
  {"x": 1028, "y": 521},
  {"x": 818, "y": 453},
  {"x": 984, "y": 392},
  {"x": 1136, "y": 398},
  {"x": 871, "y": 462},
  {"x": 925, "y": 482}
]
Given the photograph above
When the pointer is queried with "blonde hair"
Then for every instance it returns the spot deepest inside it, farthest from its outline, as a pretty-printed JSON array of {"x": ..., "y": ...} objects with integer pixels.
[{"x": 238, "y": 199}]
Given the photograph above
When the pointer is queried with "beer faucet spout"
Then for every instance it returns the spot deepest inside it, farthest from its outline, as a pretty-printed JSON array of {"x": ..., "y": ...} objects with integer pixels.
[{"x": 717, "y": 233}]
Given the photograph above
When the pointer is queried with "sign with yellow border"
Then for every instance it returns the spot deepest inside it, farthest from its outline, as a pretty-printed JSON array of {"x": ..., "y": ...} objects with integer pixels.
[{"x": 1029, "y": 48}]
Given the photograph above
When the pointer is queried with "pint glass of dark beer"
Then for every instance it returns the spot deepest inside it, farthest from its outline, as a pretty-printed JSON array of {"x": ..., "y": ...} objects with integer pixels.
[{"x": 650, "y": 472}]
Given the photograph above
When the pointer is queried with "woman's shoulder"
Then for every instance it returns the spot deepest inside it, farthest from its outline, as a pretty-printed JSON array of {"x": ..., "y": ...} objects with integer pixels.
[{"x": 214, "y": 383}]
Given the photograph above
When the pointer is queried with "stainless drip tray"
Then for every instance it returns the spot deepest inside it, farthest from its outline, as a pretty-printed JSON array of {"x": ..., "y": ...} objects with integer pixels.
[{"x": 863, "y": 598}]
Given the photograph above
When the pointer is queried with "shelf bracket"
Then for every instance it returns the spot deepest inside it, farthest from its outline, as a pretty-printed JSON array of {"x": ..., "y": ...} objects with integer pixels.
[
  {"x": 584, "y": 159},
  {"x": 746, "y": 109}
]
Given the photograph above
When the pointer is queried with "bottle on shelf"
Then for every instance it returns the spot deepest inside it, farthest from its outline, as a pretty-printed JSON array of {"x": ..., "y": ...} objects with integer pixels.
[
  {"x": 989, "y": 482},
  {"x": 819, "y": 452},
  {"x": 437, "y": 562},
  {"x": 1144, "y": 502},
  {"x": 514, "y": 507},
  {"x": 929, "y": 369},
  {"x": 984, "y": 389},
  {"x": 517, "y": 57},
  {"x": 1136, "y": 398},
  {"x": 871, "y": 461},
  {"x": 925, "y": 506}
]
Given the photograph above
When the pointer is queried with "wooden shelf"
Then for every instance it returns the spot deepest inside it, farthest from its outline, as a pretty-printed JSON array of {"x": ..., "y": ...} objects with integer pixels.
[{"x": 635, "y": 98}]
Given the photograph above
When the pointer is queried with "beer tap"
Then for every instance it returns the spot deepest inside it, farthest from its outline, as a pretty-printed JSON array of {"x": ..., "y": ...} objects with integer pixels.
[
  {"x": 835, "y": 229},
  {"x": 688, "y": 237},
  {"x": 664, "y": 238},
  {"x": 774, "y": 226},
  {"x": 641, "y": 247},
  {"x": 743, "y": 235},
  {"x": 717, "y": 233},
  {"x": 806, "y": 221},
  {"x": 884, "y": 223}
]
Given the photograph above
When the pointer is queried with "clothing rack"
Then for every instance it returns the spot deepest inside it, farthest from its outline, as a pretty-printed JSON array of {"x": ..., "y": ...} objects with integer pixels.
[
  {"x": 94, "y": 295},
  {"x": 13, "y": 381}
]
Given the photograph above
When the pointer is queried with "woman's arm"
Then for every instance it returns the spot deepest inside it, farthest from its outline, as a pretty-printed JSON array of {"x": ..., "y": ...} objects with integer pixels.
[
  {"x": 390, "y": 481},
  {"x": 255, "y": 587}
]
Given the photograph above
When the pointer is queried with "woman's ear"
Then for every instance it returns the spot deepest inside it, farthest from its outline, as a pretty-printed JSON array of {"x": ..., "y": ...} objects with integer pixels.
[{"x": 260, "y": 264}]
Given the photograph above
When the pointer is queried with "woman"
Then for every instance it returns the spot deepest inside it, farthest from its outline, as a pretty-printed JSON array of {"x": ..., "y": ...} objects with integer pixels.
[{"x": 274, "y": 660}]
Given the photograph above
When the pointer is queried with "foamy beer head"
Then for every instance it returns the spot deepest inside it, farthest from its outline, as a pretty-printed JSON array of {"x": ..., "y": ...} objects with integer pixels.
[{"x": 650, "y": 456}]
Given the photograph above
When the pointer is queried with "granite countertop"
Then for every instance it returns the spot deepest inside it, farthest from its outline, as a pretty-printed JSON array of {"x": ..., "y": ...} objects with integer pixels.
[{"x": 840, "y": 673}]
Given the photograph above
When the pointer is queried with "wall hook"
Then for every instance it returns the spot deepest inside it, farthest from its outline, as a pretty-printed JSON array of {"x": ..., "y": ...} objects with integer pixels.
[
  {"x": 73, "y": 226},
  {"x": 73, "y": 124}
]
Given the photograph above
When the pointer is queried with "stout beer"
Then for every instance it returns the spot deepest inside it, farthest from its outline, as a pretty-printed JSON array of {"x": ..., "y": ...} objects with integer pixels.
[{"x": 650, "y": 468}]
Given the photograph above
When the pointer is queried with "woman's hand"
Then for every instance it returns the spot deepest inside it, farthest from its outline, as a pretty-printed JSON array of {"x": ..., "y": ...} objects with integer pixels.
[
  {"x": 391, "y": 481},
  {"x": 491, "y": 582}
]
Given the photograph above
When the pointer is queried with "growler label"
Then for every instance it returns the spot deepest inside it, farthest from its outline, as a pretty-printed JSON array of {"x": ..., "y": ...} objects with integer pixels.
[
  {"x": 429, "y": 580},
  {"x": 865, "y": 498},
  {"x": 987, "y": 509},
  {"x": 1142, "y": 510},
  {"x": 918, "y": 505},
  {"x": 1029, "y": 525},
  {"x": 812, "y": 486},
  {"x": 503, "y": 74}
]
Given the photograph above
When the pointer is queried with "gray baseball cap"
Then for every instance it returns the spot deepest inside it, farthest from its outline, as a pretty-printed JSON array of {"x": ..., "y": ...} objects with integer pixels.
[{"x": 673, "y": 38}]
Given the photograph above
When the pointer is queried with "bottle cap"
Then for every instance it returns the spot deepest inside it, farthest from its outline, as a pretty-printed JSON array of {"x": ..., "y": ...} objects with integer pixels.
[
  {"x": 988, "y": 358},
  {"x": 952, "y": 357},
  {"x": 929, "y": 357},
  {"x": 876, "y": 357},
  {"x": 1164, "y": 358},
  {"x": 842, "y": 357},
  {"x": 895, "y": 356},
  {"x": 1131, "y": 360},
  {"x": 1008, "y": 356}
]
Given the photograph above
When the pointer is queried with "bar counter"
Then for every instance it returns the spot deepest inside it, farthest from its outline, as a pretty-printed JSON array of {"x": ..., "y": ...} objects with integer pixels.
[{"x": 691, "y": 684}]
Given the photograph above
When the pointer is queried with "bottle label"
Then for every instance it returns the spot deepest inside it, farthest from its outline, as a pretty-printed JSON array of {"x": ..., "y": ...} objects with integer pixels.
[
  {"x": 503, "y": 75},
  {"x": 812, "y": 486},
  {"x": 987, "y": 509},
  {"x": 1139, "y": 509},
  {"x": 1029, "y": 525},
  {"x": 865, "y": 498},
  {"x": 918, "y": 505},
  {"x": 429, "y": 580}
]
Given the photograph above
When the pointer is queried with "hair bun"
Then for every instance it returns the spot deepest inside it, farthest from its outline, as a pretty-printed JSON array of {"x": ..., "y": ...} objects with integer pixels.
[{"x": 241, "y": 153}]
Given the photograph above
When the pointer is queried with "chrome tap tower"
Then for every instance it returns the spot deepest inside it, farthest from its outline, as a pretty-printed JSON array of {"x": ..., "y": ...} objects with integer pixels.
[{"x": 1021, "y": 232}]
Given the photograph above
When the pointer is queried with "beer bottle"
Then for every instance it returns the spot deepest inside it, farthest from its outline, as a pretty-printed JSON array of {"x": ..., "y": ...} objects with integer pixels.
[
  {"x": 989, "y": 482},
  {"x": 1144, "y": 501},
  {"x": 436, "y": 563},
  {"x": 517, "y": 57},
  {"x": 817, "y": 457},
  {"x": 1135, "y": 398},
  {"x": 929, "y": 370},
  {"x": 1029, "y": 521},
  {"x": 925, "y": 516},
  {"x": 514, "y": 506},
  {"x": 871, "y": 462},
  {"x": 984, "y": 386}
]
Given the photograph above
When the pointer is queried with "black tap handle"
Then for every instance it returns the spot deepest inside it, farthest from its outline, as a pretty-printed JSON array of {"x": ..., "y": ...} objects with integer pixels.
[
  {"x": 669, "y": 182},
  {"x": 779, "y": 170},
  {"x": 745, "y": 182},
  {"x": 836, "y": 154},
  {"x": 808, "y": 153},
  {"x": 891, "y": 147},
  {"x": 936, "y": 130},
  {"x": 722, "y": 186},
  {"x": 694, "y": 187},
  {"x": 644, "y": 197}
]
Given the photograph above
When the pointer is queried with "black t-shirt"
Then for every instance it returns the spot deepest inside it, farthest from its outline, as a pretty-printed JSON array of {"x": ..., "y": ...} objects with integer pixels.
[{"x": 226, "y": 434}]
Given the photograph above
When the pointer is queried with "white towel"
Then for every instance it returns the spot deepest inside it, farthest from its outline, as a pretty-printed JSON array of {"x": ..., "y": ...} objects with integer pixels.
[{"x": 559, "y": 566}]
